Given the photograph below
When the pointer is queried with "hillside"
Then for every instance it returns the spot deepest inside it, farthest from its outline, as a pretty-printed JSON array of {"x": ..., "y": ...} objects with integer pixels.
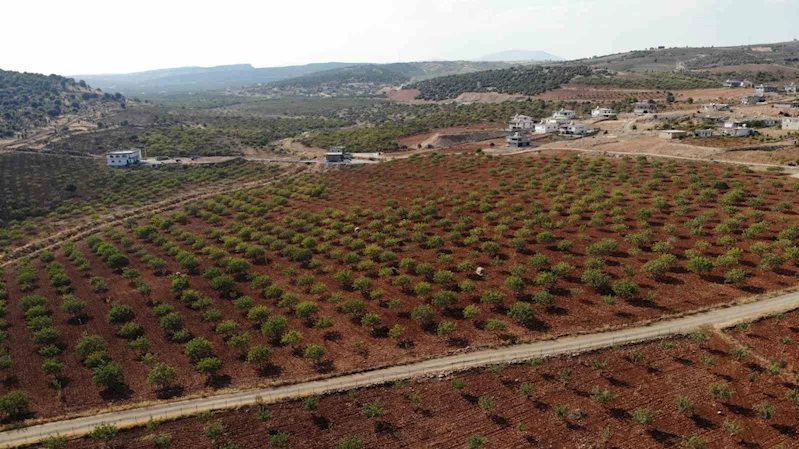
[
  {"x": 29, "y": 100},
  {"x": 666, "y": 59},
  {"x": 369, "y": 73},
  {"x": 529, "y": 80},
  {"x": 185, "y": 79}
]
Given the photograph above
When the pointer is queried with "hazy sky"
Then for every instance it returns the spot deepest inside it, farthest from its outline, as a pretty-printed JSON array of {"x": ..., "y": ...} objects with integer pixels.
[{"x": 110, "y": 36}]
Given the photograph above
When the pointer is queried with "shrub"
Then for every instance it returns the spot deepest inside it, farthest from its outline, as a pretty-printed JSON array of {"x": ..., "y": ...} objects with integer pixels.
[
  {"x": 595, "y": 278},
  {"x": 199, "y": 348},
  {"x": 120, "y": 314},
  {"x": 522, "y": 312},
  {"x": 625, "y": 289},
  {"x": 259, "y": 355},
  {"x": 162, "y": 376},
  {"x": 314, "y": 353},
  {"x": 108, "y": 375}
]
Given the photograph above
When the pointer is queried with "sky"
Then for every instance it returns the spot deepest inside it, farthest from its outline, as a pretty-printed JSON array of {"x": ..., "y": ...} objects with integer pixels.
[{"x": 111, "y": 36}]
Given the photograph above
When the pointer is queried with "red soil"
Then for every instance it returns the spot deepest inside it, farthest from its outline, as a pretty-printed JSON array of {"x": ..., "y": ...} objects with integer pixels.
[
  {"x": 434, "y": 414},
  {"x": 356, "y": 191}
]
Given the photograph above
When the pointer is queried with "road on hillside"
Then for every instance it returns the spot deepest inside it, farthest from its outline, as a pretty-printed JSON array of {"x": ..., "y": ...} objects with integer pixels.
[{"x": 719, "y": 318}]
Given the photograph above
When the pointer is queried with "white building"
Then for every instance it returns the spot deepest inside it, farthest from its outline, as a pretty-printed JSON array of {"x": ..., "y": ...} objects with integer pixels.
[
  {"x": 518, "y": 140},
  {"x": 123, "y": 158},
  {"x": 645, "y": 108},
  {"x": 733, "y": 83},
  {"x": 521, "y": 122},
  {"x": 712, "y": 107},
  {"x": 603, "y": 113},
  {"x": 564, "y": 114},
  {"x": 790, "y": 123},
  {"x": 673, "y": 134},
  {"x": 791, "y": 89},
  {"x": 546, "y": 127},
  {"x": 577, "y": 129},
  {"x": 730, "y": 124},
  {"x": 704, "y": 133},
  {"x": 739, "y": 132},
  {"x": 762, "y": 89}
]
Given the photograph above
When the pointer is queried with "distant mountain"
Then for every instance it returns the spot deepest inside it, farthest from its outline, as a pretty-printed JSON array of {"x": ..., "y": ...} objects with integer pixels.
[
  {"x": 185, "y": 79},
  {"x": 521, "y": 55}
]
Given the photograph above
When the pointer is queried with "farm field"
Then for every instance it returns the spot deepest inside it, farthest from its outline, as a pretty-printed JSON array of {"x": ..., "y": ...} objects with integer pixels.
[
  {"x": 582, "y": 93},
  {"x": 43, "y": 193},
  {"x": 697, "y": 391},
  {"x": 372, "y": 266}
]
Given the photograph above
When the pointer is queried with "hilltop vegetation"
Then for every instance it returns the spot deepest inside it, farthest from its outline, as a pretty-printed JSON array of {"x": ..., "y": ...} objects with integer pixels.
[
  {"x": 30, "y": 100},
  {"x": 664, "y": 81},
  {"x": 357, "y": 74},
  {"x": 530, "y": 80}
]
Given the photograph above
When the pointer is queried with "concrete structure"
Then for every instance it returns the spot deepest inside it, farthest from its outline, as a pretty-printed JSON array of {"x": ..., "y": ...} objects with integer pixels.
[
  {"x": 787, "y": 104},
  {"x": 337, "y": 154},
  {"x": 521, "y": 122},
  {"x": 645, "y": 108},
  {"x": 762, "y": 89},
  {"x": 518, "y": 140},
  {"x": 729, "y": 124},
  {"x": 546, "y": 127},
  {"x": 577, "y": 129},
  {"x": 752, "y": 99},
  {"x": 672, "y": 134},
  {"x": 564, "y": 114},
  {"x": 603, "y": 113},
  {"x": 791, "y": 89},
  {"x": 790, "y": 123},
  {"x": 739, "y": 132},
  {"x": 714, "y": 107},
  {"x": 703, "y": 133},
  {"x": 123, "y": 158},
  {"x": 733, "y": 83}
]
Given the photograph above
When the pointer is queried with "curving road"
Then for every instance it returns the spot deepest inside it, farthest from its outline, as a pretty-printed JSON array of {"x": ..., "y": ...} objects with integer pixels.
[{"x": 718, "y": 318}]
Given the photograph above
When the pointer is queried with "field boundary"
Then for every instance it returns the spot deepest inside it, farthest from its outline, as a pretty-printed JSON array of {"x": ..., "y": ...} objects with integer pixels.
[{"x": 134, "y": 417}]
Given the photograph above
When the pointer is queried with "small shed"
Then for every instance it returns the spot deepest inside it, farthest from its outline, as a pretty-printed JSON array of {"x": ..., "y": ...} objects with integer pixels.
[{"x": 672, "y": 134}]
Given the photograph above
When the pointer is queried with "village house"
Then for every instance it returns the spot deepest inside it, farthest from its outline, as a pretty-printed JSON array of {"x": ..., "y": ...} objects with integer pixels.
[
  {"x": 546, "y": 127},
  {"x": 752, "y": 99},
  {"x": 714, "y": 107},
  {"x": 564, "y": 114},
  {"x": 603, "y": 113},
  {"x": 739, "y": 131},
  {"x": 791, "y": 89},
  {"x": 645, "y": 107},
  {"x": 733, "y": 83},
  {"x": 672, "y": 134},
  {"x": 123, "y": 158},
  {"x": 790, "y": 123},
  {"x": 518, "y": 140},
  {"x": 703, "y": 133},
  {"x": 729, "y": 124},
  {"x": 521, "y": 122},
  {"x": 577, "y": 129},
  {"x": 762, "y": 89}
]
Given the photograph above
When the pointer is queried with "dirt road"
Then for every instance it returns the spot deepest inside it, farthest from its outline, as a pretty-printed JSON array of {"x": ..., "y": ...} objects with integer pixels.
[{"x": 718, "y": 318}]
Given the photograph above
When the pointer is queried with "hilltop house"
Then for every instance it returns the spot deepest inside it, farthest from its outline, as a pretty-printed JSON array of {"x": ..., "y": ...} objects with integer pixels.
[
  {"x": 733, "y": 83},
  {"x": 603, "y": 113},
  {"x": 710, "y": 107},
  {"x": 645, "y": 107},
  {"x": 521, "y": 122},
  {"x": 790, "y": 123},
  {"x": 123, "y": 158}
]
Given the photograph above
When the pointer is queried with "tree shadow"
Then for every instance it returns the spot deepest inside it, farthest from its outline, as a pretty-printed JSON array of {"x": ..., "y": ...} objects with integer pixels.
[
  {"x": 218, "y": 381},
  {"x": 663, "y": 438},
  {"x": 701, "y": 422},
  {"x": 116, "y": 393},
  {"x": 270, "y": 370},
  {"x": 170, "y": 392}
]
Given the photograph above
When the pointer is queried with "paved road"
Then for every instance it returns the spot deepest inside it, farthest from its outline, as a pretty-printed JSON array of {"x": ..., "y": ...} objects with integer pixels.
[{"x": 719, "y": 318}]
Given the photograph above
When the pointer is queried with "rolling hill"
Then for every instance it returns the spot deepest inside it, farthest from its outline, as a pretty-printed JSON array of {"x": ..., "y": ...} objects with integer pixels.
[
  {"x": 192, "y": 79},
  {"x": 521, "y": 55},
  {"x": 29, "y": 100}
]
